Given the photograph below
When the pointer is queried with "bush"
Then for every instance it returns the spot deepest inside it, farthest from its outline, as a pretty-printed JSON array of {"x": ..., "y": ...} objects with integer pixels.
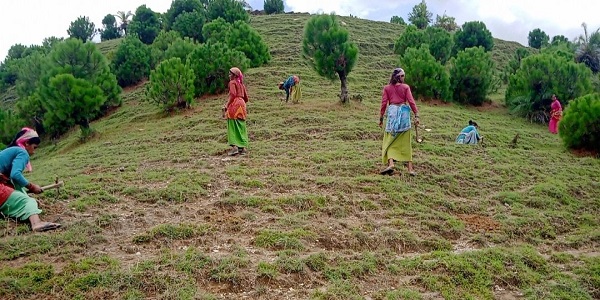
[
  {"x": 180, "y": 48},
  {"x": 229, "y": 10},
  {"x": 239, "y": 36},
  {"x": 171, "y": 85},
  {"x": 471, "y": 76},
  {"x": 273, "y": 6},
  {"x": 131, "y": 63},
  {"x": 189, "y": 24},
  {"x": 541, "y": 75},
  {"x": 580, "y": 125},
  {"x": 426, "y": 77},
  {"x": 211, "y": 63},
  {"x": 473, "y": 34},
  {"x": 412, "y": 37}
]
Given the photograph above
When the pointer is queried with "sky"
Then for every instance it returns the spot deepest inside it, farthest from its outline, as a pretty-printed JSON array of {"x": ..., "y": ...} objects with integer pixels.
[{"x": 28, "y": 22}]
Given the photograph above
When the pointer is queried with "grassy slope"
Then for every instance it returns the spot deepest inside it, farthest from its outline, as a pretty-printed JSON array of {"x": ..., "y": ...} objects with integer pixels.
[{"x": 153, "y": 207}]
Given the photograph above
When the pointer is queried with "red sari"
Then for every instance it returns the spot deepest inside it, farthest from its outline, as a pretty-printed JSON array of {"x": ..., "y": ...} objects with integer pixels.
[{"x": 555, "y": 116}]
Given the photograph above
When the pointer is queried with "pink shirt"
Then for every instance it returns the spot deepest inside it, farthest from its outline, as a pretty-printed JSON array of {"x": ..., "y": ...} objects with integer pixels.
[{"x": 397, "y": 94}]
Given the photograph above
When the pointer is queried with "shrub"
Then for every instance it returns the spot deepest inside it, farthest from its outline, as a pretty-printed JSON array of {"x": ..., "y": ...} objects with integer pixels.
[
  {"x": 238, "y": 36},
  {"x": 580, "y": 125},
  {"x": 273, "y": 6},
  {"x": 229, "y": 10},
  {"x": 180, "y": 48},
  {"x": 211, "y": 63},
  {"x": 471, "y": 76},
  {"x": 412, "y": 37},
  {"x": 427, "y": 77},
  {"x": 538, "y": 77},
  {"x": 189, "y": 24},
  {"x": 171, "y": 84},
  {"x": 131, "y": 62}
]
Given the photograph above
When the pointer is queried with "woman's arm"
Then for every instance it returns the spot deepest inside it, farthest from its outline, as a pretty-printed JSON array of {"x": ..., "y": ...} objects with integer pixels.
[{"x": 18, "y": 165}]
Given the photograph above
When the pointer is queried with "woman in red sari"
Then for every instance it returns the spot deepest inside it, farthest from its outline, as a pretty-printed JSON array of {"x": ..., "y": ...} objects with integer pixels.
[
  {"x": 235, "y": 112},
  {"x": 555, "y": 115}
]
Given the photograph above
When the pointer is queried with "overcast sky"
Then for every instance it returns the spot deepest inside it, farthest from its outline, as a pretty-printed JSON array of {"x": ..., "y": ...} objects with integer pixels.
[{"x": 28, "y": 22}]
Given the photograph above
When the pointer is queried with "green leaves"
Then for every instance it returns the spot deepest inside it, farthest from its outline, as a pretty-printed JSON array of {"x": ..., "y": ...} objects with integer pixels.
[
  {"x": 538, "y": 77},
  {"x": 82, "y": 29},
  {"x": 473, "y": 34},
  {"x": 427, "y": 77},
  {"x": 327, "y": 48},
  {"x": 580, "y": 125},
  {"x": 471, "y": 76},
  {"x": 145, "y": 24},
  {"x": 171, "y": 85},
  {"x": 273, "y": 6},
  {"x": 131, "y": 62}
]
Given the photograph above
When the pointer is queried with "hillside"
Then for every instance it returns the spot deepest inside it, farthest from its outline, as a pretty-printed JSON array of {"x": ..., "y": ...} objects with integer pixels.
[{"x": 154, "y": 209}]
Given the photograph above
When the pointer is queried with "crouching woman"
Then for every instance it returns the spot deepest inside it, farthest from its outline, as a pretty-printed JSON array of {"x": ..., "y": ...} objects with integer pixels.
[{"x": 14, "y": 201}]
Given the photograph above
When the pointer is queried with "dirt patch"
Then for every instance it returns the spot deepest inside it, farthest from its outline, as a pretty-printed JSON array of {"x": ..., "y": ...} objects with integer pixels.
[
  {"x": 585, "y": 153},
  {"x": 435, "y": 102},
  {"x": 478, "y": 223},
  {"x": 487, "y": 106},
  {"x": 135, "y": 87}
]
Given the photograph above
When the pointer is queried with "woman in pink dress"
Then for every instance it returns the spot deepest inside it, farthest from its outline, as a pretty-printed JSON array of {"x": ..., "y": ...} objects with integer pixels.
[{"x": 555, "y": 115}]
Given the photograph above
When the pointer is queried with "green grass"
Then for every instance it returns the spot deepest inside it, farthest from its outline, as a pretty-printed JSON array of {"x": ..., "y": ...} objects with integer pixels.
[{"x": 153, "y": 208}]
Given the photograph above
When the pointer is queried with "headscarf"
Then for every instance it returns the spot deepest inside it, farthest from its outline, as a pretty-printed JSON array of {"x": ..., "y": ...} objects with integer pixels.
[
  {"x": 22, "y": 138},
  {"x": 238, "y": 74}
]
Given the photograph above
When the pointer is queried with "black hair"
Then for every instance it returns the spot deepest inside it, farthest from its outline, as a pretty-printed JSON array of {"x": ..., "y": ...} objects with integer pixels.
[
  {"x": 34, "y": 140},
  {"x": 473, "y": 123}
]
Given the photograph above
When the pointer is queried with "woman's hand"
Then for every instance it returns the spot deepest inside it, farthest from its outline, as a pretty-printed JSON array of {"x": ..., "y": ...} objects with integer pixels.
[
  {"x": 417, "y": 121},
  {"x": 380, "y": 122},
  {"x": 34, "y": 188}
]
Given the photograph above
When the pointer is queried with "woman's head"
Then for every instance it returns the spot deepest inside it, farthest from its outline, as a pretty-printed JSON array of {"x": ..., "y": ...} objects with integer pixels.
[
  {"x": 553, "y": 97},
  {"x": 473, "y": 123},
  {"x": 280, "y": 85},
  {"x": 235, "y": 73},
  {"x": 397, "y": 76},
  {"x": 27, "y": 139}
]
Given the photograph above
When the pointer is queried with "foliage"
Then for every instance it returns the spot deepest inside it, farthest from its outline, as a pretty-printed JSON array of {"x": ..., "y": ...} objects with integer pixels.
[
  {"x": 181, "y": 48},
  {"x": 131, "y": 62},
  {"x": 537, "y": 39},
  {"x": 427, "y": 77},
  {"x": 83, "y": 61},
  {"x": 472, "y": 76},
  {"x": 189, "y": 24},
  {"x": 514, "y": 63},
  {"x": 559, "y": 39},
  {"x": 440, "y": 43},
  {"x": 111, "y": 30},
  {"x": 16, "y": 51},
  {"x": 580, "y": 125},
  {"x": 397, "y": 20},
  {"x": 145, "y": 24},
  {"x": 273, "y": 7},
  {"x": 411, "y": 37},
  {"x": 10, "y": 124},
  {"x": 588, "y": 49},
  {"x": 420, "y": 16},
  {"x": 539, "y": 76},
  {"x": 171, "y": 84},
  {"x": 69, "y": 101},
  {"x": 82, "y": 29},
  {"x": 238, "y": 36},
  {"x": 29, "y": 74},
  {"x": 473, "y": 34},
  {"x": 446, "y": 22},
  {"x": 181, "y": 6},
  {"x": 229, "y": 10},
  {"x": 211, "y": 63},
  {"x": 328, "y": 51},
  {"x": 160, "y": 45}
]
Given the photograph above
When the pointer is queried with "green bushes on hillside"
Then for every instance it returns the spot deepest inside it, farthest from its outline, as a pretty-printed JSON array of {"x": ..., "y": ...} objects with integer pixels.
[
  {"x": 539, "y": 76},
  {"x": 580, "y": 125},
  {"x": 427, "y": 77},
  {"x": 238, "y": 36},
  {"x": 273, "y": 6},
  {"x": 131, "y": 63},
  {"x": 471, "y": 76},
  {"x": 211, "y": 63},
  {"x": 171, "y": 84}
]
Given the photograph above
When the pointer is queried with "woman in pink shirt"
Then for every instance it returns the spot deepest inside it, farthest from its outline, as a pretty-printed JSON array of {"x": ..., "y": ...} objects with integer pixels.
[
  {"x": 555, "y": 115},
  {"x": 398, "y": 101}
]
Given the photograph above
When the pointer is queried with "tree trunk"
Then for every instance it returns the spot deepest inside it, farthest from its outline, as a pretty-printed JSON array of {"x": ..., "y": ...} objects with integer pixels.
[{"x": 344, "y": 87}]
